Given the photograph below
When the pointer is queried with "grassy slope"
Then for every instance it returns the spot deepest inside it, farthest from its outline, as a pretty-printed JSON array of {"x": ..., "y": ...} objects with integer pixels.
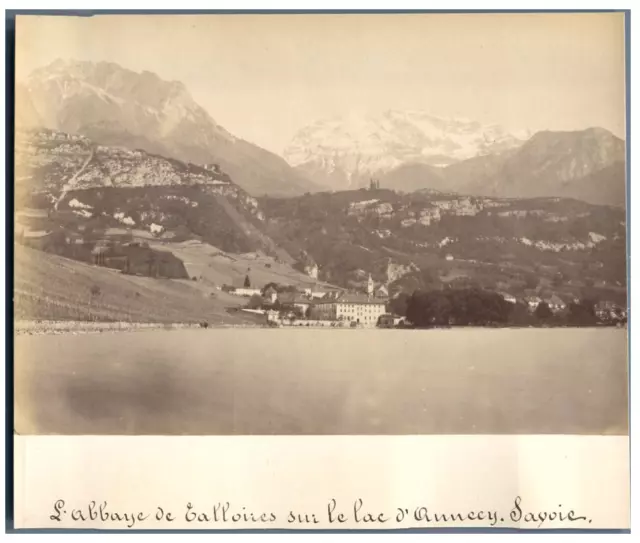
[
  {"x": 49, "y": 287},
  {"x": 214, "y": 267}
]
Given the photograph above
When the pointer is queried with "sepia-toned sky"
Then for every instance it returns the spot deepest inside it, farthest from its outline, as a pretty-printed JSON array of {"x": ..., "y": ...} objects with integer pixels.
[{"x": 265, "y": 76}]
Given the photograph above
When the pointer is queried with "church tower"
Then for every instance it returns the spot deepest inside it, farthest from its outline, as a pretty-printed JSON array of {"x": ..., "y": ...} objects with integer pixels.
[{"x": 370, "y": 286}]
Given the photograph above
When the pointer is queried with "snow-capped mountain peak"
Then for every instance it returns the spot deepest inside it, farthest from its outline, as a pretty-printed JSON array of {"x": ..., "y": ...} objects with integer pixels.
[{"x": 344, "y": 151}]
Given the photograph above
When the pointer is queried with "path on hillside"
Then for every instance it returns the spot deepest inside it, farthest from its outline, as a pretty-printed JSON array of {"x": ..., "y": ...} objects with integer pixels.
[{"x": 72, "y": 181}]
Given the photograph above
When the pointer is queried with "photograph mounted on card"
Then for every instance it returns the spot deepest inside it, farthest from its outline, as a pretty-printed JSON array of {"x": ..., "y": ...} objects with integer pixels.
[{"x": 355, "y": 226}]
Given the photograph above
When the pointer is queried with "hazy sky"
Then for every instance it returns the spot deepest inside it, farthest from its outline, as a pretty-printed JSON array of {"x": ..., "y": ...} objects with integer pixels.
[{"x": 265, "y": 76}]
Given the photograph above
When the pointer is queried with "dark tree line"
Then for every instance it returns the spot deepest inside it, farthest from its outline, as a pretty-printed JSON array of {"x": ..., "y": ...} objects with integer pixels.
[
  {"x": 582, "y": 313},
  {"x": 459, "y": 307},
  {"x": 479, "y": 307}
]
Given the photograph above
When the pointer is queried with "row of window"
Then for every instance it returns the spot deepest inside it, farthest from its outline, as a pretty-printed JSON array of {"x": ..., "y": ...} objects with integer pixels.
[
  {"x": 351, "y": 307},
  {"x": 360, "y": 307}
]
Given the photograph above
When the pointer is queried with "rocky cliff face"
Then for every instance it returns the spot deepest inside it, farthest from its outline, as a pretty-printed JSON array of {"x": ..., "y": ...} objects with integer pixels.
[
  {"x": 115, "y": 106},
  {"x": 73, "y": 176},
  {"x": 396, "y": 271}
]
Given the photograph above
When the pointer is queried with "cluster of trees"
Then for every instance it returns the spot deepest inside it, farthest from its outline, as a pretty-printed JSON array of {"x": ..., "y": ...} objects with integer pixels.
[
  {"x": 478, "y": 307},
  {"x": 279, "y": 288},
  {"x": 580, "y": 313},
  {"x": 255, "y": 302},
  {"x": 460, "y": 307}
]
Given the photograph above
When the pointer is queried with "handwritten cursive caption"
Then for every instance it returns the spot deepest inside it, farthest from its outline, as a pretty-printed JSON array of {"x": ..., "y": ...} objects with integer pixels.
[{"x": 334, "y": 514}]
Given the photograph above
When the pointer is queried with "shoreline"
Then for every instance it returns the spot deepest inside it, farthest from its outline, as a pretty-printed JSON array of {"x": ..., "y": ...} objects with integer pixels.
[
  {"x": 44, "y": 327},
  {"x": 90, "y": 327}
]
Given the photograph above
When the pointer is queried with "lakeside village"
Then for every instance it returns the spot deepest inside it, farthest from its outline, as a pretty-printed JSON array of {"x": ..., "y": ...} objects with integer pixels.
[
  {"x": 289, "y": 306},
  {"x": 368, "y": 307},
  {"x": 372, "y": 307}
]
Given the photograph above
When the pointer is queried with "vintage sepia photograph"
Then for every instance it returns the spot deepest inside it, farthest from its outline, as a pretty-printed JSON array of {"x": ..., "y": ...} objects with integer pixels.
[{"x": 321, "y": 224}]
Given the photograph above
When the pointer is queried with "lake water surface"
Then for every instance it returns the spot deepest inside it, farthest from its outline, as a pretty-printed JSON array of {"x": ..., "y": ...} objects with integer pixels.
[{"x": 296, "y": 381}]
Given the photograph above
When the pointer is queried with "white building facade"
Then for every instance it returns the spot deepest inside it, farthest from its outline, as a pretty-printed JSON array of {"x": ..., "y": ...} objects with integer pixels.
[
  {"x": 362, "y": 310},
  {"x": 248, "y": 292}
]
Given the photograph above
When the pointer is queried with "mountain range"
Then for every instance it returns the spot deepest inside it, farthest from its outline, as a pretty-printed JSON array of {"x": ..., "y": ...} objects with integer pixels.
[
  {"x": 422, "y": 239},
  {"x": 115, "y": 106},
  {"x": 405, "y": 150},
  {"x": 413, "y": 150},
  {"x": 98, "y": 147},
  {"x": 587, "y": 165},
  {"x": 344, "y": 152}
]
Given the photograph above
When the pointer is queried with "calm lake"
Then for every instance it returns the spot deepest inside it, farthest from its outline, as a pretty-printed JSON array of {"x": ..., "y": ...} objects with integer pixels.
[{"x": 293, "y": 381}]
